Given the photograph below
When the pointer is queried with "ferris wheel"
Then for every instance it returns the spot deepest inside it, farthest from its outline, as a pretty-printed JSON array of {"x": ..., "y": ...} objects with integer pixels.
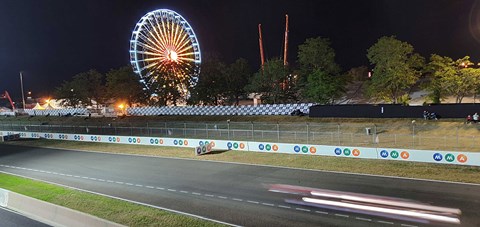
[{"x": 164, "y": 52}]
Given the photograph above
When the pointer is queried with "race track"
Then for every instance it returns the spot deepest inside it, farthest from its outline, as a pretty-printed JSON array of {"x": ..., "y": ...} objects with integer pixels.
[{"x": 232, "y": 193}]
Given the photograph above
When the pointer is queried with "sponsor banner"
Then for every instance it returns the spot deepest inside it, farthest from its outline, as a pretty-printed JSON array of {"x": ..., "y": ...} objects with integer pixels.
[
  {"x": 446, "y": 157},
  {"x": 429, "y": 156},
  {"x": 338, "y": 151}
]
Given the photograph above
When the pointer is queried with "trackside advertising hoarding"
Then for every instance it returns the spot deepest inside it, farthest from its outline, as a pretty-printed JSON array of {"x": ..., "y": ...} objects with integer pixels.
[{"x": 427, "y": 156}]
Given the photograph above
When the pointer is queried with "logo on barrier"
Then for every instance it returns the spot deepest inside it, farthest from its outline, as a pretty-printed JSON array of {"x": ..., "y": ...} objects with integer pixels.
[
  {"x": 261, "y": 147},
  {"x": 229, "y": 145},
  {"x": 449, "y": 157},
  {"x": 185, "y": 142},
  {"x": 346, "y": 152},
  {"x": 437, "y": 157},
  {"x": 153, "y": 141},
  {"x": 130, "y": 140},
  {"x": 313, "y": 150},
  {"x": 275, "y": 147},
  {"x": 200, "y": 143},
  {"x": 356, "y": 152},
  {"x": 161, "y": 141},
  {"x": 304, "y": 149},
  {"x": 338, "y": 151},
  {"x": 384, "y": 153},
  {"x": 394, "y": 154},
  {"x": 462, "y": 158},
  {"x": 405, "y": 155},
  {"x": 212, "y": 143},
  {"x": 199, "y": 150},
  {"x": 242, "y": 145},
  {"x": 296, "y": 148},
  {"x": 180, "y": 142},
  {"x": 268, "y": 147},
  {"x": 235, "y": 145},
  {"x": 175, "y": 142}
]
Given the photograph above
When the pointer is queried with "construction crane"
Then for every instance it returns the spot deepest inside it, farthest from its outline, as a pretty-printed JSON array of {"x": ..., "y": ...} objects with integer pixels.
[
  {"x": 5, "y": 95},
  {"x": 285, "y": 50},
  {"x": 260, "y": 42}
]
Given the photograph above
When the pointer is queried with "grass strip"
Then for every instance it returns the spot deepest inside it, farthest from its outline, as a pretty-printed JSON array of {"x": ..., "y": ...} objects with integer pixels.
[
  {"x": 115, "y": 210},
  {"x": 444, "y": 172}
]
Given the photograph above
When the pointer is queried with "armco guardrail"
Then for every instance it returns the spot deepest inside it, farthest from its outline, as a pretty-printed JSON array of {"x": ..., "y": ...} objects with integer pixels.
[
  {"x": 48, "y": 213},
  {"x": 428, "y": 156}
]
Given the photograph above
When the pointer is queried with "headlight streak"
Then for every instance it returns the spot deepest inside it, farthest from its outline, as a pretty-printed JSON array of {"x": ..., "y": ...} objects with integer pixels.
[{"x": 394, "y": 208}]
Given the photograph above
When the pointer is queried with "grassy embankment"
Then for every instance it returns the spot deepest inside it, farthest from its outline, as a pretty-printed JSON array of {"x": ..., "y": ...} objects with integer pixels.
[{"x": 115, "y": 210}]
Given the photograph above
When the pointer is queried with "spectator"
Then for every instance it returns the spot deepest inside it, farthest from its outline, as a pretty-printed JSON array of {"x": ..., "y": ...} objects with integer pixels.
[
  {"x": 425, "y": 115},
  {"x": 433, "y": 116},
  {"x": 469, "y": 119},
  {"x": 475, "y": 118}
]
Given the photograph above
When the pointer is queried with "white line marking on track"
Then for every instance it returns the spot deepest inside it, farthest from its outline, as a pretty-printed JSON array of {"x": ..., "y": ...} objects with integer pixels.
[
  {"x": 208, "y": 195},
  {"x": 150, "y": 187},
  {"x": 320, "y": 212},
  {"x": 301, "y": 209},
  {"x": 254, "y": 202},
  {"x": 239, "y": 200},
  {"x": 363, "y": 219},
  {"x": 160, "y": 188},
  {"x": 172, "y": 190},
  {"x": 196, "y": 193},
  {"x": 406, "y": 225},
  {"x": 268, "y": 204},
  {"x": 342, "y": 215},
  {"x": 183, "y": 191},
  {"x": 138, "y": 185},
  {"x": 110, "y": 181},
  {"x": 222, "y": 197},
  {"x": 119, "y": 182},
  {"x": 102, "y": 180},
  {"x": 282, "y": 206},
  {"x": 386, "y": 222},
  {"x": 129, "y": 184}
]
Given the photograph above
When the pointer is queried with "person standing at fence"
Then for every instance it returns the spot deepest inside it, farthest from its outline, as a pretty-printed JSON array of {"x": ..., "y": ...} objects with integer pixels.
[{"x": 475, "y": 118}]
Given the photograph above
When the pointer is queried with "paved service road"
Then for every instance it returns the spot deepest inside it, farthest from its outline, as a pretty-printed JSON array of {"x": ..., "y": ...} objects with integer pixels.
[
  {"x": 12, "y": 219},
  {"x": 232, "y": 193}
]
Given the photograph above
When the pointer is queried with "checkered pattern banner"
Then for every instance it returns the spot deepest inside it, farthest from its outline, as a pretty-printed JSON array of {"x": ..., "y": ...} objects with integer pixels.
[
  {"x": 57, "y": 112},
  {"x": 268, "y": 109}
]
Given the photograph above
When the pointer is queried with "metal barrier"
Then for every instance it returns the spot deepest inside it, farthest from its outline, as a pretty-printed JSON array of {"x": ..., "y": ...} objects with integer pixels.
[{"x": 407, "y": 136}]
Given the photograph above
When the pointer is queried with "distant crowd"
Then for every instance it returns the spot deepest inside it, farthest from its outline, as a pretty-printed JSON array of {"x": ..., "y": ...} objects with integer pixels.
[
  {"x": 429, "y": 116},
  {"x": 472, "y": 119}
]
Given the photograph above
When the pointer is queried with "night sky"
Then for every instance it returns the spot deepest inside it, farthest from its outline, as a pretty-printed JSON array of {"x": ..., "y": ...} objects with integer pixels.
[{"x": 52, "y": 40}]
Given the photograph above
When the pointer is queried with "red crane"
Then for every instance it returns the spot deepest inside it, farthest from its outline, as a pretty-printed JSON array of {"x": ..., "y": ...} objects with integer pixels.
[
  {"x": 5, "y": 95},
  {"x": 260, "y": 42}
]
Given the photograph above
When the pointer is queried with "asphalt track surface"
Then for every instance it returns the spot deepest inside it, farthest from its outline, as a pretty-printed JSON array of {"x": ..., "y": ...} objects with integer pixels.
[
  {"x": 10, "y": 218},
  {"x": 227, "y": 192}
]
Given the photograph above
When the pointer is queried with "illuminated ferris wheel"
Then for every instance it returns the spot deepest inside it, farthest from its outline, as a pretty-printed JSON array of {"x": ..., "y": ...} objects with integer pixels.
[{"x": 164, "y": 52}]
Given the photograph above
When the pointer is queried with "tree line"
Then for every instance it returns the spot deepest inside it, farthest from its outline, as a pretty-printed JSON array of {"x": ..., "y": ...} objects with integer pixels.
[{"x": 394, "y": 69}]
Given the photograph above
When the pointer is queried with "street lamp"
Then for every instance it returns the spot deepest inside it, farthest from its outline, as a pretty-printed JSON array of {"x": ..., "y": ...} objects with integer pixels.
[{"x": 21, "y": 85}]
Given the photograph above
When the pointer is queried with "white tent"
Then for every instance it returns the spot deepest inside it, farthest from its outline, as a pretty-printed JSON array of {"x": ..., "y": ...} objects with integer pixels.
[{"x": 38, "y": 107}]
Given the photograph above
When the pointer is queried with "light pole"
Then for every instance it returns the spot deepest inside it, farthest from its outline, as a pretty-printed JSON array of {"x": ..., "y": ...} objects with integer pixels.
[{"x": 21, "y": 85}]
